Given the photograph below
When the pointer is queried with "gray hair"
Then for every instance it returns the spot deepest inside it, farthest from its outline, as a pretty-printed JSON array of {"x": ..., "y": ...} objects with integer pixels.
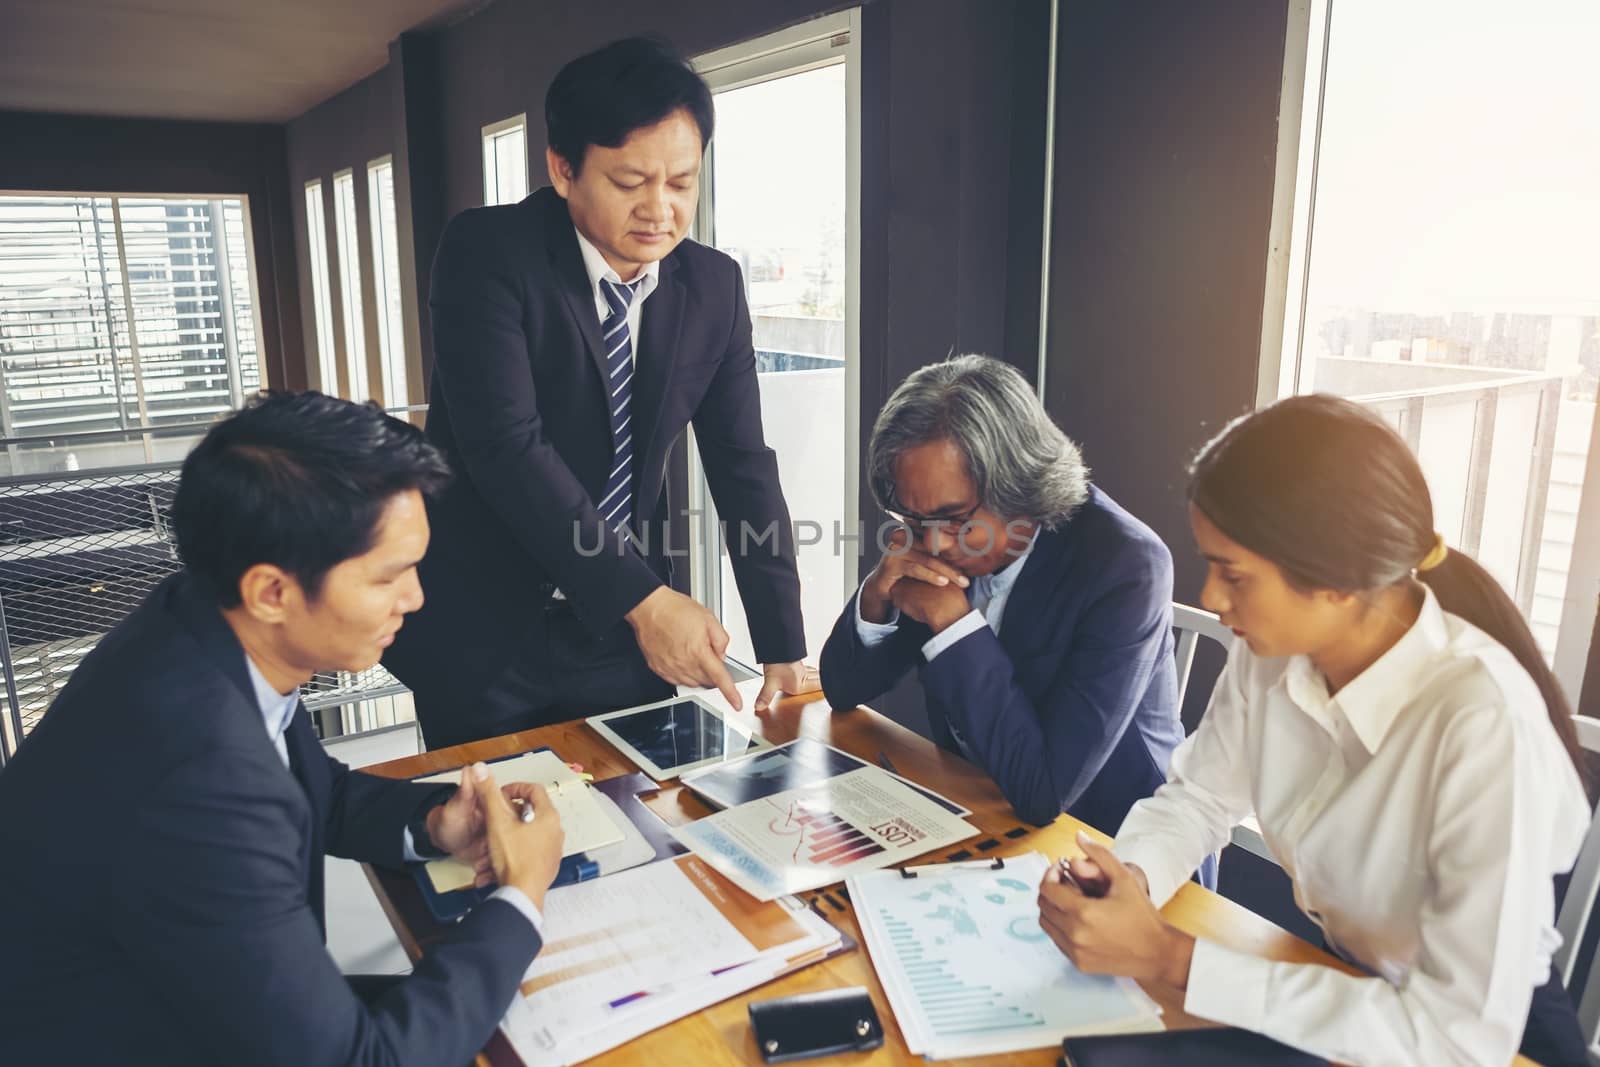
[{"x": 1022, "y": 464}]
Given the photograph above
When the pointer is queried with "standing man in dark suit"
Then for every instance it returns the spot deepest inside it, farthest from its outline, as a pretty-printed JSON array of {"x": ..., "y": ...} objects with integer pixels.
[
  {"x": 1037, "y": 613},
  {"x": 576, "y": 335},
  {"x": 165, "y": 825}
]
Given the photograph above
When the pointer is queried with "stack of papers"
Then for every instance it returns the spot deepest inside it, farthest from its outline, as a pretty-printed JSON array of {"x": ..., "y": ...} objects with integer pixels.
[
  {"x": 639, "y": 949},
  {"x": 815, "y": 835},
  {"x": 969, "y": 971},
  {"x": 583, "y": 818}
]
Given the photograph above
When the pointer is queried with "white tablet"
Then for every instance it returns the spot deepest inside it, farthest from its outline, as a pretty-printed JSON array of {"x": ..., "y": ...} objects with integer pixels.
[{"x": 673, "y": 736}]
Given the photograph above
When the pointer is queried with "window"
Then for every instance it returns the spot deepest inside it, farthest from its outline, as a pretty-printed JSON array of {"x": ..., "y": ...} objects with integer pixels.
[
  {"x": 505, "y": 161},
  {"x": 355, "y": 334},
  {"x": 386, "y": 281},
  {"x": 786, "y": 134},
  {"x": 1444, "y": 272},
  {"x": 120, "y": 313},
  {"x": 323, "y": 374}
]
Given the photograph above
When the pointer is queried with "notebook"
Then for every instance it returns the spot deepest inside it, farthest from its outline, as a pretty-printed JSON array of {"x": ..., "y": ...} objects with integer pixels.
[{"x": 584, "y": 821}]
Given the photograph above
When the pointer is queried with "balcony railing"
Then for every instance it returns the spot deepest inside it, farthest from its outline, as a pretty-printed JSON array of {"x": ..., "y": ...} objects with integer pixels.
[
  {"x": 80, "y": 549},
  {"x": 1486, "y": 439}
]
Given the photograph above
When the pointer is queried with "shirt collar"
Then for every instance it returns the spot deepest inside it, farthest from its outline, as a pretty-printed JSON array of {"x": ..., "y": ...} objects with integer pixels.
[
  {"x": 1000, "y": 582},
  {"x": 1372, "y": 700},
  {"x": 597, "y": 267},
  {"x": 277, "y": 709}
]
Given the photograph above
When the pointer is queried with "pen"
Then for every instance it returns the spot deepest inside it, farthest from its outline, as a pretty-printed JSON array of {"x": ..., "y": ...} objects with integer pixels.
[
  {"x": 1096, "y": 888},
  {"x": 969, "y": 865},
  {"x": 524, "y": 809},
  {"x": 883, "y": 761}
]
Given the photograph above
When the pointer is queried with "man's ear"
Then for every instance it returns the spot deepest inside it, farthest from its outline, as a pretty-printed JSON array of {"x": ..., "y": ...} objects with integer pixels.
[
  {"x": 561, "y": 172},
  {"x": 268, "y": 593}
]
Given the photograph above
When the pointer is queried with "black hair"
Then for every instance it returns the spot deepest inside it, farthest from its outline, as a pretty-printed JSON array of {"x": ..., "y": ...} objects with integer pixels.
[
  {"x": 1330, "y": 493},
  {"x": 298, "y": 480},
  {"x": 603, "y": 96}
]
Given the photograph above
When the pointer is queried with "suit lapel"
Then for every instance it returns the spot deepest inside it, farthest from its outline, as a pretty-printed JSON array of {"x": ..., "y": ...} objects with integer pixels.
[
  {"x": 573, "y": 279},
  {"x": 655, "y": 361},
  {"x": 1029, "y": 599},
  {"x": 310, "y": 769}
]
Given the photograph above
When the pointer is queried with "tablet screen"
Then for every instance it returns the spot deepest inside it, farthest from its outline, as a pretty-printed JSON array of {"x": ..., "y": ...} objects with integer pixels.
[{"x": 678, "y": 734}]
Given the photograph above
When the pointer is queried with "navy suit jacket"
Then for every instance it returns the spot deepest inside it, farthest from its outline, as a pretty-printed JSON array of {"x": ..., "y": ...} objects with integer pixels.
[
  {"x": 521, "y": 404},
  {"x": 162, "y": 891},
  {"x": 1074, "y": 705}
]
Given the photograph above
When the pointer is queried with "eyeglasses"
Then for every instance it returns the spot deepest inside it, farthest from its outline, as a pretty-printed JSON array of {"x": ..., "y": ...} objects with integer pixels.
[{"x": 934, "y": 522}]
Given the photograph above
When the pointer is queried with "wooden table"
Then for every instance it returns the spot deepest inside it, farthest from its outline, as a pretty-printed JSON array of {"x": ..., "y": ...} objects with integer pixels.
[{"x": 721, "y": 1033}]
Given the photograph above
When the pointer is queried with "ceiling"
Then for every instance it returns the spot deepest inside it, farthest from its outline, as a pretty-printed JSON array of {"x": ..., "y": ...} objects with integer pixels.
[{"x": 237, "y": 60}]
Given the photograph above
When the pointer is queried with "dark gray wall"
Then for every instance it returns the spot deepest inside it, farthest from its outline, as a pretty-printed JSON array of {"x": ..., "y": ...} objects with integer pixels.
[
  {"x": 1166, "y": 142},
  {"x": 73, "y": 153},
  {"x": 952, "y": 180}
]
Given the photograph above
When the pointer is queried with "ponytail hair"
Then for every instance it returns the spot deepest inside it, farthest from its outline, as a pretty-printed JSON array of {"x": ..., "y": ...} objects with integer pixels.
[{"x": 1329, "y": 492}]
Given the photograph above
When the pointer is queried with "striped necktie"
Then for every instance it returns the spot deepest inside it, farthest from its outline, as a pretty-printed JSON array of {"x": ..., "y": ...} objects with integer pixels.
[{"x": 617, "y": 503}]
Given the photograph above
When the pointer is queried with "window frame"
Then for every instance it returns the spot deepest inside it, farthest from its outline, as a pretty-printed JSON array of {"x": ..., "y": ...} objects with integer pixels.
[
  {"x": 322, "y": 333},
  {"x": 491, "y": 136},
  {"x": 1289, "y": 251},
  {"x": 347, "y": 235},
  {"x": 825, "y": 41},
  {"x": 393, "y": 359}
]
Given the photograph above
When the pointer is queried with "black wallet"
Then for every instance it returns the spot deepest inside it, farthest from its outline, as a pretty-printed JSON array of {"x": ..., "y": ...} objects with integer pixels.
[{"x": 815, "y": 1024}]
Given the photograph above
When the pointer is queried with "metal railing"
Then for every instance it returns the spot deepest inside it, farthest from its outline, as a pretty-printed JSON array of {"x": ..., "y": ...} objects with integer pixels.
[
  {"x": 1486, "y": 439},
  {"x": 79, "y": 550}
]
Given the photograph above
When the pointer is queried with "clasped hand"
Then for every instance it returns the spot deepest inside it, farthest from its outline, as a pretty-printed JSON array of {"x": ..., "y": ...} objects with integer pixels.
[
  {"x": 921, "y": 586},
  {"x": 1118, "y": 930},
  {"x": 480, "y": 827}
]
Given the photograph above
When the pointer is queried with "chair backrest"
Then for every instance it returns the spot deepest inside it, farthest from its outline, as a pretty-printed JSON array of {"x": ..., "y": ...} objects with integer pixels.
[
  {"x": 1577, "y": 910},
  {"x": 1193, "y": 624}
]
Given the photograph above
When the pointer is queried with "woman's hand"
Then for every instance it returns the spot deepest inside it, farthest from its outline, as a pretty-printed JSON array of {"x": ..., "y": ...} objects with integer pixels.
[{"x": 1119, "y": 932}]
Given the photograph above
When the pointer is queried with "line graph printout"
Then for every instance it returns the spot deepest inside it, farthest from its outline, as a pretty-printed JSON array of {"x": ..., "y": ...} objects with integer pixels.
[
  {"x": 816, "y": 835},
  {"x": 969, "y": 971}
]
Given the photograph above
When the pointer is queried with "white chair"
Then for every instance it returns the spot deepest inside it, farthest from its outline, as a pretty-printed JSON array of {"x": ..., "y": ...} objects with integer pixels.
[
  {"x": 1577, "y": 910},
  {"x": 1191, "y": 625}
]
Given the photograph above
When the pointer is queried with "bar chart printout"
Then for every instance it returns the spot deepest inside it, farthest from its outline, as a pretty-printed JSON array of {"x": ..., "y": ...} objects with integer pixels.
[
  {"x": 969, "y": 971},
  {"x": 799, "y": 839}
]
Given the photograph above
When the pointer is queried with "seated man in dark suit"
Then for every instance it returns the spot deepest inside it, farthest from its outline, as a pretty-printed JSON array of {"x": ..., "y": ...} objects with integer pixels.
[
  {"x": 165, "y": 825},
  {"x": 1036, "y": 611}
]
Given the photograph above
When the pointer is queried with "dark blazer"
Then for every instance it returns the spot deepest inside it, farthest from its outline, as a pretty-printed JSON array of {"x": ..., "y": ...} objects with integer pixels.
[
  {"x": 162, "y": 895},
  {"x": 521, "y": 406},
  {"x": 1074, "y": 705}
]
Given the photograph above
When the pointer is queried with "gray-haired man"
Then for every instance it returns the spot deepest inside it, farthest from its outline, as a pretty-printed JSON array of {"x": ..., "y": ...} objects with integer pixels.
[{"x": 1037, "y": 613}]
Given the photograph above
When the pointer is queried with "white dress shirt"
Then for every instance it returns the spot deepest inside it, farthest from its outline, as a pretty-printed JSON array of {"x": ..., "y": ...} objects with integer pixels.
[
  {"x": 1421, "y": 812},
  {"x": 277, "y": 711},
  {"x": 987, "y": 594},
  {"x": 598, "y": 268}
]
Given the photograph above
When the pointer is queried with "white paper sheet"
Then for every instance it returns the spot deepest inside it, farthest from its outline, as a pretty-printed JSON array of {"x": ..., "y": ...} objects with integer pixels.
[{"x": 969, "y": 971}]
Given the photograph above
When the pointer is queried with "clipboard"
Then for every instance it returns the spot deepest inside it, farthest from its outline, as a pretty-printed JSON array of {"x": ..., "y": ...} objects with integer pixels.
[{"x": 646, "y": 839}]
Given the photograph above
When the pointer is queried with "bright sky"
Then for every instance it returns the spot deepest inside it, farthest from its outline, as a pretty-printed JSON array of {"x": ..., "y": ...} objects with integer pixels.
[
  {"x": 1460, "y": 163},
  {"x": 780, "y": 165}
]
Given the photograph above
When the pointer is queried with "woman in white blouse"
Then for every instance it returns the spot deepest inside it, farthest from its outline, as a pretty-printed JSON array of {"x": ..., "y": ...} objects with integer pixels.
[{"x": 1388, "y": 717}]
